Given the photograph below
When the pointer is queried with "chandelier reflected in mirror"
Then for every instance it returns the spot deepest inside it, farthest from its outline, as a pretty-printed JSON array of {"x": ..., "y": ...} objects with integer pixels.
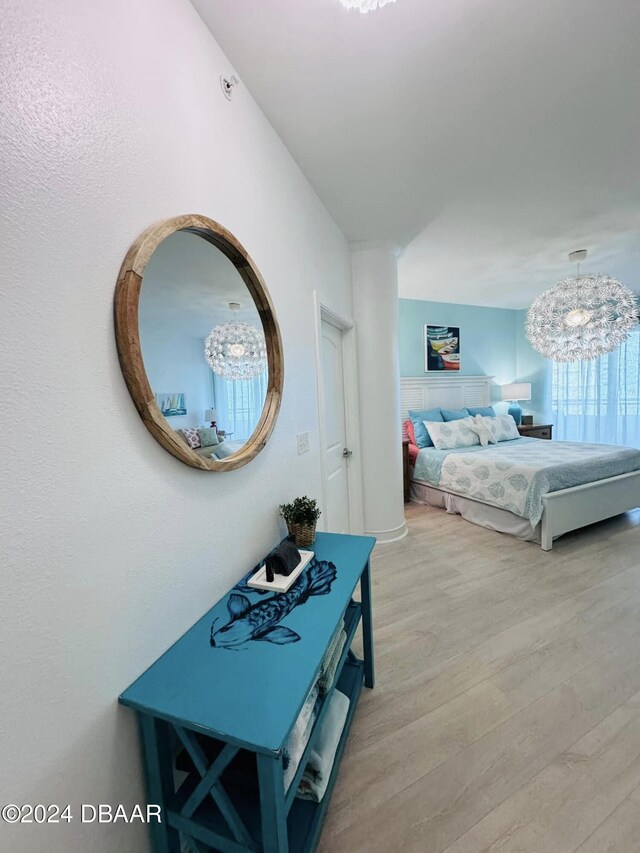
[
  {"x": 236, "y": 350},
  {"x": 583, "y": 317},
  {"x": 364, "y": 6}
]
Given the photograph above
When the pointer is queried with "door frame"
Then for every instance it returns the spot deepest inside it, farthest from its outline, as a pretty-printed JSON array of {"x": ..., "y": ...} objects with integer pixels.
[{"x": 324, "y": 313}]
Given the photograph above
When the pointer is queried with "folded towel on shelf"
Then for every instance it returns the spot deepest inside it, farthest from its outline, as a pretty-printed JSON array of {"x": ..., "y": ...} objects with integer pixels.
[
  {"x": 299, "y": 737},
  {"x": 316, "y": 774},
  {"x": 331, "y": 660},
  {"x": 333, "y": 642}
]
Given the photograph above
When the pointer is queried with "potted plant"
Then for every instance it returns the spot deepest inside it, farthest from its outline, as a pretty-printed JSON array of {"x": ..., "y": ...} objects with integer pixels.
[{"x": 301, "y": 516}]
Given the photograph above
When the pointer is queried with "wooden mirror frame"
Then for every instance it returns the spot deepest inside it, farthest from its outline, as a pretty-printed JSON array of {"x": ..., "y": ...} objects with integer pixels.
[{"x": 126, "y": 305}]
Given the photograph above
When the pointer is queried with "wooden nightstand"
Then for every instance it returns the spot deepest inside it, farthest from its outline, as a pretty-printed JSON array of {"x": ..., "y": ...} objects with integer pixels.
[
  {"x": 536, "y": 430},
  {"x": 405, "y": 468}
]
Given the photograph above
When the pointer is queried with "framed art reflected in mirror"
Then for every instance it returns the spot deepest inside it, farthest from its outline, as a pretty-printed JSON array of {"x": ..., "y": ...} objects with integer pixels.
[{"x": 199, "y": 343}]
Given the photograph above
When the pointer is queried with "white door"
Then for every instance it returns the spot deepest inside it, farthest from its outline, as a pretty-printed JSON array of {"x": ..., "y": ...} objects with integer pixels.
[{"x": 335, "y": 462}]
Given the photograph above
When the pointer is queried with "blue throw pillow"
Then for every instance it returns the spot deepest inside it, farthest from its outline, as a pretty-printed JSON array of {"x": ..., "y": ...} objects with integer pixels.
[
  {"x": 222, "y": 451},
  {"x": 454, "y": 414},
  {"x": 423, "y": 439},
  {"x": 485, "y": 411},
  {"x": 208, "y": 437}
]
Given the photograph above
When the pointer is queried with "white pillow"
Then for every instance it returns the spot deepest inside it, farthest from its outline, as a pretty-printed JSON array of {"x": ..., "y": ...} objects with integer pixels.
[
  {"x": 448, "y": 435},
  {"x": 486, "y": 429},
  {"x": 506, "y": 428}
]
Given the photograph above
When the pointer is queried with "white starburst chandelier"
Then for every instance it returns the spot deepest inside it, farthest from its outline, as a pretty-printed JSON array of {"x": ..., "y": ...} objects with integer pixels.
[
  {"x": 583, "y": 317},
  {"x": 364, "y": 6},
  {"x": 236, "y": 350}
]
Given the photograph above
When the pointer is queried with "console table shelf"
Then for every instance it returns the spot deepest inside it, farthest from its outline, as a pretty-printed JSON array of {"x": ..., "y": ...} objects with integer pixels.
[{"x": 219, "y": 705}]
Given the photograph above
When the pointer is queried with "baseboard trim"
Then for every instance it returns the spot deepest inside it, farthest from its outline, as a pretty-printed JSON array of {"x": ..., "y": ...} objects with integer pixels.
[{"x": 384, "y": 537}]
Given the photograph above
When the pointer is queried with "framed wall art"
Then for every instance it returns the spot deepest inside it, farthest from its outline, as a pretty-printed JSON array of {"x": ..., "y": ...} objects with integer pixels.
[
  {"x": 172, "y": 405},
  {"x": 441, "y": 348}
]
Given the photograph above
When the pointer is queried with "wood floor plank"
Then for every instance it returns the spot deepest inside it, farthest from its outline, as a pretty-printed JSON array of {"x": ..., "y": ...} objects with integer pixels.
[
  {"x": 433, "y": 812},
  {"x": 620, "y": 833},
  {"x": 580, "y": 644},
  {"x": 408, "y": 698},
  {"x": 506, "y": 714},
  {"x": 392, "y": 764},
  {"x": 566, "y": 802}
]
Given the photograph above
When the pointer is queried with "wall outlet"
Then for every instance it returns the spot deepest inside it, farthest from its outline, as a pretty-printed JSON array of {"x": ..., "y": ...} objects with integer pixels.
[{"x": 303, "y": 442}]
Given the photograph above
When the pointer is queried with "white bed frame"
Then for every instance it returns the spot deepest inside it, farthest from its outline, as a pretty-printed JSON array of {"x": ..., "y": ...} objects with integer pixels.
[{"x": 563, "y": 511}]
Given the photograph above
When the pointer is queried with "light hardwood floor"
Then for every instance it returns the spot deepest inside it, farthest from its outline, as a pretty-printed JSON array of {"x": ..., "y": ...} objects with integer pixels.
[{"x": 506, "y": 713}]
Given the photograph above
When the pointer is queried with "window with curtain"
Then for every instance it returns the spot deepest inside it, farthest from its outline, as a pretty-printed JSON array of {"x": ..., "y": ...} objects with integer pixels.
[
  {"x": 599, "y": 401},
  {"x": 239, "y": 404}
]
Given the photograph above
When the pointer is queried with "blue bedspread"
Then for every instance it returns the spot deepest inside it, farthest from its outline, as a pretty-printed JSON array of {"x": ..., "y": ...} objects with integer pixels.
[{"x": 514, "y": 475}]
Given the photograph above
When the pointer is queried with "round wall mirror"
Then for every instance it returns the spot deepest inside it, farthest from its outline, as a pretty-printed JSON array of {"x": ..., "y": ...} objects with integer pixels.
[{"x": 199, "y": 343}]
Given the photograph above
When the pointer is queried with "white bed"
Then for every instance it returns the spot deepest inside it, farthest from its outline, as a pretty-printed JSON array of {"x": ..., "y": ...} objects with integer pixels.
[{"x": 561, "y": 511}]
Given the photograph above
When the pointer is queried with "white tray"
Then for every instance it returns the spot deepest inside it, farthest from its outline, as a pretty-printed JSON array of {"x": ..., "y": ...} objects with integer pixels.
[{"x": 281, "y": 583}]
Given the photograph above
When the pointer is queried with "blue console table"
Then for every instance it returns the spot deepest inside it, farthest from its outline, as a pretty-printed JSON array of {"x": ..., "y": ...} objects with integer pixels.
[{"x": 224, "y": 698}]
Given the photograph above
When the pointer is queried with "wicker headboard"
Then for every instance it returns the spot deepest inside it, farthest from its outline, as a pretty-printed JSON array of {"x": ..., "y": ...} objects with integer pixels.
[{"x": 450, "y": 392}]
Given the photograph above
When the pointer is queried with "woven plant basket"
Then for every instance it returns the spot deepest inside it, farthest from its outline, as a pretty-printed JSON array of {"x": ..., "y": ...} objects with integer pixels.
[{"x": 304, "y": 534}]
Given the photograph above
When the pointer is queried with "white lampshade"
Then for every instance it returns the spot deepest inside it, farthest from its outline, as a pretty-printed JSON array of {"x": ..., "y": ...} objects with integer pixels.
[
  {"x": 210, "y": 415},
  {"x": 517, "y": 391}
]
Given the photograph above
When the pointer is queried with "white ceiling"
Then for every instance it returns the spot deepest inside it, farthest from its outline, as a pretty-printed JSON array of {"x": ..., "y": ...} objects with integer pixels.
[{"x": 488, "y": 137}]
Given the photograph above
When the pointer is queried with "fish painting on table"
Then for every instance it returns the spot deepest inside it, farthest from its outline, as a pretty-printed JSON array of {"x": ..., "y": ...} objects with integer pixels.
[{"x": 261, "y": 621}]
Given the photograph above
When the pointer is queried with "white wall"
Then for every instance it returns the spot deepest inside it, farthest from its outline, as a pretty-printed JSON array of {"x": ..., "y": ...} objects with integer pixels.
[{"x": 112, "y": 118}]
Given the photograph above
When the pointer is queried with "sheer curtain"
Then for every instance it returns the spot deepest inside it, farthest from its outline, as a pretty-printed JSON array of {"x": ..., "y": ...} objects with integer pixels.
[
  {"x": 599, "y": 401},
  {"x": 239, "y": 404}
]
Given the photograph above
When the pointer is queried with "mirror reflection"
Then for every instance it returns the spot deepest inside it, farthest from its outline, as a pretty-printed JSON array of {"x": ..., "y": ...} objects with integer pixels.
[{"x": 202, "y": 345}]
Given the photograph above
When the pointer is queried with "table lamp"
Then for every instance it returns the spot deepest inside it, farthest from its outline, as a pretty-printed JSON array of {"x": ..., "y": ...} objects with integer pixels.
[
  {"x": 513, "y": 393},
  {"x": 211, "y": 415}
]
